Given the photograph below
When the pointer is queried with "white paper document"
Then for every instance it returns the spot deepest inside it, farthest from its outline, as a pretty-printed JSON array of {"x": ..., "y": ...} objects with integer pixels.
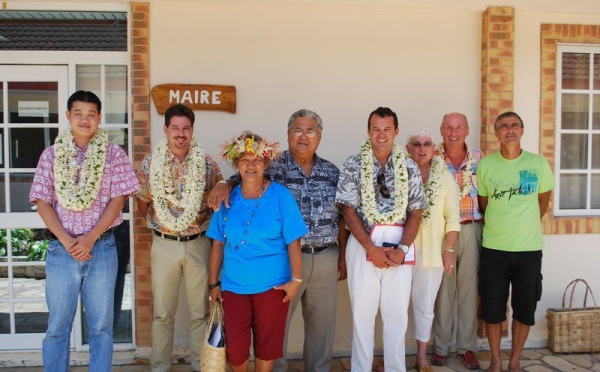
[
  {"x": 215, "y": 338},
  {"x": 391, "y": 234}
]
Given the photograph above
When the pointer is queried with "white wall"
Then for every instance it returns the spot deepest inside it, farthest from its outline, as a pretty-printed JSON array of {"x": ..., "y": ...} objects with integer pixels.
[
  {"x": 343, "y": 61},
  {"x": 339, "y": 62}
]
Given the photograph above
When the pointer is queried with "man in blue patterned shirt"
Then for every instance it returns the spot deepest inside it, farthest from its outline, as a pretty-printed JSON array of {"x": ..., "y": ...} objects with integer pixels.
[{"x": 313, "y": 182}]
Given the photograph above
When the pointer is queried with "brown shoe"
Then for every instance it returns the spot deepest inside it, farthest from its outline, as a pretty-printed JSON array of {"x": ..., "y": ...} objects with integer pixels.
[
  {"x": 439, "y": 360},
  {"x": 469, "y": 360}
]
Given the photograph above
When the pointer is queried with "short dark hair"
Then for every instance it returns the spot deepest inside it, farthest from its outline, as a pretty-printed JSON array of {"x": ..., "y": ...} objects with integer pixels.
[
  {"x": 179, "y": 110},
  {"x": 383, "y": 112},
  {"x": 507, "y": 114},
  {"x": 84, "y": 96}
]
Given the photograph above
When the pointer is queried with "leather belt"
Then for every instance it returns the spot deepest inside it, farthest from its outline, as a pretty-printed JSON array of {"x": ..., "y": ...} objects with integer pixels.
[
  {"x": 466, "y": 222},
  {"x": 179, "y": 238},
  {"x": 104, "y": 235},
  {"x": 309, "y": 249}
]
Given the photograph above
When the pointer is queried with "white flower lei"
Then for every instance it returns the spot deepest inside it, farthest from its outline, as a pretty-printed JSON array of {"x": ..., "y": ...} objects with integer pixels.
[
  {"x": 466, "y": 186},
  {"x": 368, "y": 191},
  {"x": 163, "y": 188},
  {"x": 73, "y": 195},
  {"x": 432, "y": 187}
]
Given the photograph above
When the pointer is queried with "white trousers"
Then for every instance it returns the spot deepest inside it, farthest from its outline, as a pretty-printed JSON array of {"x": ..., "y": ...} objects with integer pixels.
[
  {"x": 373, "y": 289},
  {"x": 425, "y": 285}
]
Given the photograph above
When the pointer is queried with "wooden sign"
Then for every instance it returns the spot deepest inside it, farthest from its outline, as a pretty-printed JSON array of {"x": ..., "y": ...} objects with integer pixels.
[{"x": 195, "y": 96}]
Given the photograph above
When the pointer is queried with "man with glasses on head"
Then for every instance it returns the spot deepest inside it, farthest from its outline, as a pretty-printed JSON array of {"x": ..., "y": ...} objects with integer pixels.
[
  {"x": 514, "y": 193},
  {"x": 313, "y": 181},
  {"x": 459, "y": 289},
  {"x": 380, "y": 189}
]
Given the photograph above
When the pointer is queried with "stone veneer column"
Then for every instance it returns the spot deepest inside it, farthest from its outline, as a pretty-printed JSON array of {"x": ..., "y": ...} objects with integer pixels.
[
  {"x": 140, "y": 86},
  {"x": 497, "y": 71}
]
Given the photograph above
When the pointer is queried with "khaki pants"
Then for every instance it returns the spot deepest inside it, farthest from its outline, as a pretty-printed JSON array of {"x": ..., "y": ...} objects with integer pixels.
[
  {"x": 318, "y": 295},
  {"x": 460, "y": 290},
  {"x": 171, "y": 261}
]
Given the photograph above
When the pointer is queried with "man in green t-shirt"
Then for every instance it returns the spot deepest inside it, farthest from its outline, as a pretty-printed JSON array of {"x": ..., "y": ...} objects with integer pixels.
[{"x": 514, "y": 192}]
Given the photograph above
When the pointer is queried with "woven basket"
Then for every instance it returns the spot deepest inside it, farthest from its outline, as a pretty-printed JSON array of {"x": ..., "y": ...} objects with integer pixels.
[
  {"x": 213, "y": 358},
  {"x": 574, "y": 330}
]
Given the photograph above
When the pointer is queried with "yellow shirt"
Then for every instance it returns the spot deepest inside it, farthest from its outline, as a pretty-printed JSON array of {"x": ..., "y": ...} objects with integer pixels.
[{"x": 445, "y": 217}]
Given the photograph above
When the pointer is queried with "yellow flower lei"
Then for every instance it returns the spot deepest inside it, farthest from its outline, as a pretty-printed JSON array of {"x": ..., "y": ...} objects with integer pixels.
[{"x": 72, "y": 194}]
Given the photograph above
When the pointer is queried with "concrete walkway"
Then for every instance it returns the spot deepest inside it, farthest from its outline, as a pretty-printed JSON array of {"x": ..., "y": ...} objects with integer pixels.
[{"x": 534, "y": 360}]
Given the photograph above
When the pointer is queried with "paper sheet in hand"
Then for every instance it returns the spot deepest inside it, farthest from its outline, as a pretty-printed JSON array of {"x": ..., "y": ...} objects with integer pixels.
[
  {"x": 215, "y": 337},
  {"x": 391, "y": 234}
]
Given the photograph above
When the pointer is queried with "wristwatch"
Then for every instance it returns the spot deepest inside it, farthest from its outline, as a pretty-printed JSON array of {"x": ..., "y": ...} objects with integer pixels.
[{"x": 404, "y": 248}]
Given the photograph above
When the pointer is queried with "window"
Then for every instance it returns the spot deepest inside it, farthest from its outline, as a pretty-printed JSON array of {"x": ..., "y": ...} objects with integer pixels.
[{"x": 577, "y": 161}]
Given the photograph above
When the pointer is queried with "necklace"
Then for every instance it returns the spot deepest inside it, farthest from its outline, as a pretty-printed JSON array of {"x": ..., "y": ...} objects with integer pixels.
[
  {"x": 73, "y": 194},
  {"x": 467, "y": 172},
  {"x": 165, "y": 193},
  {"x": 432, "y": 187},
  {"x": 262, "y": 190},
  {"x": 368, "y": 190},
  {"x": 250, "y": 212}
]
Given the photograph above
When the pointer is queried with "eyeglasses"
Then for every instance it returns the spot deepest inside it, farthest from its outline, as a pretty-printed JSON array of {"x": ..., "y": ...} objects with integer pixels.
[
  {"x": 418, "y": 145},
  {"x": 383, "y": 190},
  {"x": 308, "y": 133}
]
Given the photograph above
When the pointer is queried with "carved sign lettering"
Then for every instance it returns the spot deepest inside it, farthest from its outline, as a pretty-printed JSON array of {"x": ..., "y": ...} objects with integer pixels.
[{"x": 195, "y": 96}]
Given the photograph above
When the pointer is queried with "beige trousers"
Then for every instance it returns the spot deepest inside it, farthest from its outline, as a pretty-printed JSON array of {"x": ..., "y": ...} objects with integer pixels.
[
  {"x": 171, "y": 261},
  {"x": 459, "y": 291},
  {"x": 318, "y": 295}
]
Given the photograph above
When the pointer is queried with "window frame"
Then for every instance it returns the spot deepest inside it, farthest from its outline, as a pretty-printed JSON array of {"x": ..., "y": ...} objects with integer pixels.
[{"x": 590, "y": 49}]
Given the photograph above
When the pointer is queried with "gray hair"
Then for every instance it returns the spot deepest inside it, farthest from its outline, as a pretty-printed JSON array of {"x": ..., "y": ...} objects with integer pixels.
[
  {"x": 507, "y": 115},
  {"x": 304, "y": 113},
  {"x": 424, "y": 132}
]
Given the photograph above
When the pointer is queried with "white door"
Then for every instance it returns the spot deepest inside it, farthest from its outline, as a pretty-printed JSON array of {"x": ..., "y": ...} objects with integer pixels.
[{"x": 33, "y": 102}]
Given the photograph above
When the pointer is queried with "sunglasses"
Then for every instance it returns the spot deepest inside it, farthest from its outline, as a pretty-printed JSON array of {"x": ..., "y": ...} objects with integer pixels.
[{"x": 383, "y": 190}]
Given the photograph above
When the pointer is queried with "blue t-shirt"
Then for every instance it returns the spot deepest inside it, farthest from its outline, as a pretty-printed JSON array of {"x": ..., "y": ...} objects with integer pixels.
[{"x": 257, "y": 233}]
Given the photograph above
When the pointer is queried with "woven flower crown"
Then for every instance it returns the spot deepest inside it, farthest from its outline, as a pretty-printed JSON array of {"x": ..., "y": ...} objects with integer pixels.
[{"x": 249, "y": 142}]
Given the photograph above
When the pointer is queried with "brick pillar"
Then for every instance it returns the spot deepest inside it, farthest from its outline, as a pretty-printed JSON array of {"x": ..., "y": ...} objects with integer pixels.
[
  {"x": 497, "y": 83},
  {"x": 497, "y": 71},
  {"x": 140, "y": 86}
]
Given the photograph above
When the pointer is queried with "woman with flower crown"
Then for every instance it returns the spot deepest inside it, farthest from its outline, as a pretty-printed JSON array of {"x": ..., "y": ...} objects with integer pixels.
[
  {"x": 436, "y": 239},
  {"x": 256, "y": 250}
]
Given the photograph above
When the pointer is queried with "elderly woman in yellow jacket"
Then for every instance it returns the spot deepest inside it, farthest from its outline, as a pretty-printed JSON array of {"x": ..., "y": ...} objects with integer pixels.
[{"x": 435, "y": 241}]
